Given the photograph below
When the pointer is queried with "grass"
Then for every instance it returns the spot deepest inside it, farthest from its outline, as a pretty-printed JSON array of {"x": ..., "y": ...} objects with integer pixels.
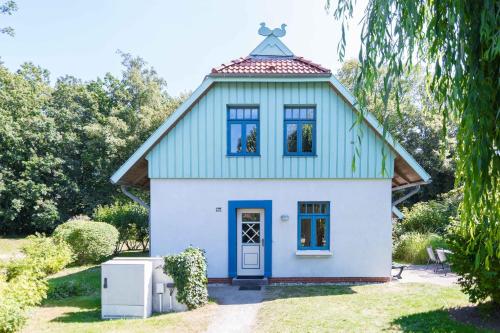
[
  {"x": 401, "y": 307},
  {"x": 10, "y": 247},
  {"x": 74, "y": 306}
]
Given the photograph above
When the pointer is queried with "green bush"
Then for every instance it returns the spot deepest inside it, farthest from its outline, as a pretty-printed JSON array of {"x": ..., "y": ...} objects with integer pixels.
[
  {"x": 26, "y": 290},
  {"x": 411, "y": 247},
  {"x": 189, "y": 272},
  {"x": 24, "y": 285},
  {"x": 12, "y": 316},
  {"x": 476, "y": 281},
  {"x": 90, "y": 241},
  {"x": 430, "y": 216},
  {"x": 130, "y": 219},
  {"x": 69, "y": 289},
  {"x": 43, "y": 256}
]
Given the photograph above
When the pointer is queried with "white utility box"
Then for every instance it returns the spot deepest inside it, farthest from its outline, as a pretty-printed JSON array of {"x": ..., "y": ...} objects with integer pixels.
[{"x": 126, "y": 289}]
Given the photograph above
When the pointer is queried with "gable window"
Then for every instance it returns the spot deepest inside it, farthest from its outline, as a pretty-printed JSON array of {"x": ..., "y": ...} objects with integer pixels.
[
  {"x": 300, "y": 131},
  {"x": 243, "y": 131},
  {"x": 314, "y": 226}
]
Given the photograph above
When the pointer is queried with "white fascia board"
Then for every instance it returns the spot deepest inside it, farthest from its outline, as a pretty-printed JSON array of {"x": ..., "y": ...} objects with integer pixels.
[{"x": 148, "y": 144}]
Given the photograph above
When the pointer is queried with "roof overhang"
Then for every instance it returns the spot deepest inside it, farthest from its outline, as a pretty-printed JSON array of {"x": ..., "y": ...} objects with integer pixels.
[{"x": 134, "y": 172}]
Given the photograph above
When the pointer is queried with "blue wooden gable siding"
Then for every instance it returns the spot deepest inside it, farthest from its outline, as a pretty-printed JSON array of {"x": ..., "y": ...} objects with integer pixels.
[{"x": 196, "y": 146}]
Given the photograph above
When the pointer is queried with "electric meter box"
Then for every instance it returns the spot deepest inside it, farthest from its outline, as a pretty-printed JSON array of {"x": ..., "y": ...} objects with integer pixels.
[{"x": 126, "y": 289}]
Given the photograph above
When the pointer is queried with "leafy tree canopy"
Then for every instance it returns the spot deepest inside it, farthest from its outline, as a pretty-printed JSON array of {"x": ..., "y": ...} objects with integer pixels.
[{"x": 64, "y": 142}]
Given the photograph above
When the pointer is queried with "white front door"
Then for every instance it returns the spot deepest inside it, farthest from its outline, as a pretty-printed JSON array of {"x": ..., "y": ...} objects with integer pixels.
[{"x": 250, "y": 234}]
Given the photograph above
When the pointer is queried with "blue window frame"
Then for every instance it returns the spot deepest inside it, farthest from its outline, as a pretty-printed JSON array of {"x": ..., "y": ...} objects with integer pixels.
[
  {"x": 313, "y": 231},
  {"x": 243, "y": 131},
  {"x": 300, "y": 131}
]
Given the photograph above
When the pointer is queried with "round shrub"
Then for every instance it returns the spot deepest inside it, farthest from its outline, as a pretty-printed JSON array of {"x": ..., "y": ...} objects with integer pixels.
[
  {"x": 49, "y": 255},
  {"x": 411, "y": 247},
  {"x": 188, "y": 269},
  {"x": 90, "y": 241}
]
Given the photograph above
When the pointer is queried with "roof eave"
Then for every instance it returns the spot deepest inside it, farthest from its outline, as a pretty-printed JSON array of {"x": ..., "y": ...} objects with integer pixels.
[{"x": 269, "y": 75}]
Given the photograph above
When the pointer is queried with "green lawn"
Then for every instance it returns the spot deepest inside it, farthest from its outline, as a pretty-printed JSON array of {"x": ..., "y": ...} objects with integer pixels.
[
  {"x": 73, "y": 305},
  {"x": 362, "y": 308}
]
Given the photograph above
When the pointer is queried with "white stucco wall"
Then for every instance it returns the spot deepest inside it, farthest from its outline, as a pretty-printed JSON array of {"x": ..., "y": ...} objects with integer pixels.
[{"x": 183, "y": 213}]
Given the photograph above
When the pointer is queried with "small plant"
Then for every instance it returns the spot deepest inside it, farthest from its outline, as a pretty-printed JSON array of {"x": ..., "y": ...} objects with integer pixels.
[
  {"x": 130, "y": 219},
  {"x": 411, "y": 247},
  {"x": 90, "y": 241},
  {"x": 189, "y": 271}
]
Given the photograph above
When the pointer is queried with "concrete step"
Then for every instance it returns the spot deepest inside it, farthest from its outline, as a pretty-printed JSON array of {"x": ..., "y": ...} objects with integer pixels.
[{"x": 250, "y": 282}]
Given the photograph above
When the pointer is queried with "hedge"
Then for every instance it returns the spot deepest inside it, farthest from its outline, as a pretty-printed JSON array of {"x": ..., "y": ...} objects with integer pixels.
[{"x": 90, "y": 241}]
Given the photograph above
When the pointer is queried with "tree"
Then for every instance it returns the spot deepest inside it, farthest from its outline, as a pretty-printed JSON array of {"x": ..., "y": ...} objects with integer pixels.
[
  {"x": 417, "y": 127},
  {"x": 64, "y": 142},
  {"x": 8, "y": 8},
  {"x": 31, "y": 175},
  {"x": 459, "y": 43}
]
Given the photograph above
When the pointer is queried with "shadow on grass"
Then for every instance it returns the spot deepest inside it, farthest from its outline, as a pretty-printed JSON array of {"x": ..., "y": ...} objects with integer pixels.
[
  {"x": 87, "y": 316},
  {"x": 436, "y": 321},
  {"x": 283, "y": 292}
]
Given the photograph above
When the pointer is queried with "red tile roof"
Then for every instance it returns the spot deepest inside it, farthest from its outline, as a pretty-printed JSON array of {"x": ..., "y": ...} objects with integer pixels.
[{"x": 270, "y": 65}]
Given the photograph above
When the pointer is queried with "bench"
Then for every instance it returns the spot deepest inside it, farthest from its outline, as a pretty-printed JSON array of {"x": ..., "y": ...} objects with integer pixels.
[{"x": 400, "y": 267}]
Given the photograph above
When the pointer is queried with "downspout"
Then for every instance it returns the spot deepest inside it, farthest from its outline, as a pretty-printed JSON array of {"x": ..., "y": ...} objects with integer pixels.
[{"x": 143, "y": 204}]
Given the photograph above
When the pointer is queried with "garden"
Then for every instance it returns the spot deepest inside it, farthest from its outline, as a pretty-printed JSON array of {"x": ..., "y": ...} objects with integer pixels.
[
  {"x": 60, "y": 216},
  {"x": 52, "y": 284}
]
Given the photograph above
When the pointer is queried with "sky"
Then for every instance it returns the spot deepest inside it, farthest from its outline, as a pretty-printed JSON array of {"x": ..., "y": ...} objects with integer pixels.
[{"x": 182, "y": 40}]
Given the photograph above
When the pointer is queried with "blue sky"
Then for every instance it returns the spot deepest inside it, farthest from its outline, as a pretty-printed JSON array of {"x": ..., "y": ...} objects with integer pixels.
[{"x": 182, "y": 40}]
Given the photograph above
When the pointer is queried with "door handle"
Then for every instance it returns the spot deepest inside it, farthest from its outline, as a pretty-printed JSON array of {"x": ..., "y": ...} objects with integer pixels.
[
  {"x": 105, "y": 283},
  {"x": 262, "y": 242}
]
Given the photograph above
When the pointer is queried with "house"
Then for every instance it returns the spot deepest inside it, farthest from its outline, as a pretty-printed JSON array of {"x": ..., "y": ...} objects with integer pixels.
[{"x": 255, "y": 167}]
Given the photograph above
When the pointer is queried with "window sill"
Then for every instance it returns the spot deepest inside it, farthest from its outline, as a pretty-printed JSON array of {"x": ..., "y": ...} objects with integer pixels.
[
  {"x": 234, "y": 155},
  {"x": 293, "y": 156},
  {"x": 313, "y": 253}
]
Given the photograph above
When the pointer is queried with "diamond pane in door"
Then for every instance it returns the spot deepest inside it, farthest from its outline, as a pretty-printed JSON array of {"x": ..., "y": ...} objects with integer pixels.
[{"x": 250, "y": 233}]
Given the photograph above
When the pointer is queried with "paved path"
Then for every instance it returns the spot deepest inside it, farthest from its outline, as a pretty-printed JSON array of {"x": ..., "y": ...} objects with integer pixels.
[
  {"x": 418, "y": 273},
  {"x": 237, "y": 309}
]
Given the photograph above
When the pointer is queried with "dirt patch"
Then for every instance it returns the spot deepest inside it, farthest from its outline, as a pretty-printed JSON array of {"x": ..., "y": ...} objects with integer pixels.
[{"x": 479, "y": 316}]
